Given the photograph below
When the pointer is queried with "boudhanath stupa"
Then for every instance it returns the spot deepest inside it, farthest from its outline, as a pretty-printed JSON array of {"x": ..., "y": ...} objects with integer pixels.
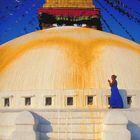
[{"x": 53, "y": 82}]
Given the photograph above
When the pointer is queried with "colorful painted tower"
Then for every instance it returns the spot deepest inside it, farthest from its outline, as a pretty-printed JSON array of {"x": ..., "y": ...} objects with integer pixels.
[{"x": 69, "y": 13}]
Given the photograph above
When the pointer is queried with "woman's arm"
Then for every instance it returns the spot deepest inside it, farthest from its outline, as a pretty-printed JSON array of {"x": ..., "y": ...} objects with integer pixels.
[
  {"x": 109, "y": 82},
  {"x": 112, "y": 83}
]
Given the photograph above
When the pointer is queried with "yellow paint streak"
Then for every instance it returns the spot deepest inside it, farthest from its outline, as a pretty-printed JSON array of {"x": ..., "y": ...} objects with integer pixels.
[
  {"x": 8, "y": 53},
  {"x": 115, "y": 43},
  {"x": 79, "y": 57}
]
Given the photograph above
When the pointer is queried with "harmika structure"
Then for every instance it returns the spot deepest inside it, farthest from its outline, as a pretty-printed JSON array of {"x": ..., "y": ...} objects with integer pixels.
[
  {"x": 69, "y": 13},
  {"x": 53, "y": 82}
]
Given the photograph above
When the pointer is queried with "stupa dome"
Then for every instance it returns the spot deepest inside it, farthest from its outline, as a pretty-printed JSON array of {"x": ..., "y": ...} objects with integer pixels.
[{"x": 68, "y": 58}]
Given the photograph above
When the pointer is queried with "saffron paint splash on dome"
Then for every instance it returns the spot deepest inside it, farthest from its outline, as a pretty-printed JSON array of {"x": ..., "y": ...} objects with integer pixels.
[{"x": 81, "y": 49}]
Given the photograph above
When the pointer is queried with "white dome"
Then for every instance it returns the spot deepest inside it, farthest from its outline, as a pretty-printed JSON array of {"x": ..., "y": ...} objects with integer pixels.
[{"x": 68, "y": 58}]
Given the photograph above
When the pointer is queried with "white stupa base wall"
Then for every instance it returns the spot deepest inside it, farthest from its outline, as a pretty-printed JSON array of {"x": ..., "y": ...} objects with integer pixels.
[
  {"x": 25, "y": 127},
  {"x": 75, "y": 124},
  {"x": 115, "y": 126}
]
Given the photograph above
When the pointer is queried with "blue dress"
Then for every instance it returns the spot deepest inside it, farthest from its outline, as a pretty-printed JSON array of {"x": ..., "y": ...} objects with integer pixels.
[{"x": 115, "y": 98}]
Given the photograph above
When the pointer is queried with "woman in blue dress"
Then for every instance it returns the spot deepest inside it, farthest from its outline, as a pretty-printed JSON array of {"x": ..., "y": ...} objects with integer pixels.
[{"x": 115, "y": 98}]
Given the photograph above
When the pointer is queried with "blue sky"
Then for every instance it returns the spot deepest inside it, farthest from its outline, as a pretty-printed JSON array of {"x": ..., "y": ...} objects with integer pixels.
[{"x": 19, "y": 17}]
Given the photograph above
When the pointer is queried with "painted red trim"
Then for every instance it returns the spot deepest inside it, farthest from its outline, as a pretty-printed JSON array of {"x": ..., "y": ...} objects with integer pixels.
[{"x": 70, "y": 12}]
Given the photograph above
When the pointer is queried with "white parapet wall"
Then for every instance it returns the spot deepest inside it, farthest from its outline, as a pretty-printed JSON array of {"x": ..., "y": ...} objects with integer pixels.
[{"x": 16, "y": 99}]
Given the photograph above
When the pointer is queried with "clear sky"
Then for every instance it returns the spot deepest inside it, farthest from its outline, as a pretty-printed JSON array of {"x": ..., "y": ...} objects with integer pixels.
[{"x": 19, "y": 17}]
